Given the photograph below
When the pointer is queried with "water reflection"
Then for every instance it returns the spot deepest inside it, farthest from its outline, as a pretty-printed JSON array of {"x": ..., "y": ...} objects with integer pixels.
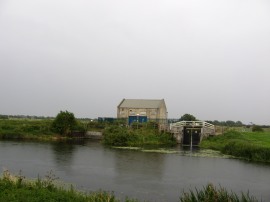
[
  {"x": 139, "y": 165},
  {"x": 64, "y": 151}
]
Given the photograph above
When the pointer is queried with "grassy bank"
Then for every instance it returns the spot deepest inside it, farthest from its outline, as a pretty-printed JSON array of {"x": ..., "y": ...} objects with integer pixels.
[
  {"x": 122, "y": 136},
  {"x": 33, "y": 129},
  {"x": 115, "y": 134},
  {"x": 26, "y": 129},
  {"x": 17, "y": 188},
  {"x": 252, "y": 146}
]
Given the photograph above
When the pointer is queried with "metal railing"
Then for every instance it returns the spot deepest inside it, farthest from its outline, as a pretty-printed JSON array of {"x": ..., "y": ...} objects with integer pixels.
[{"x": 193, "y": 124}]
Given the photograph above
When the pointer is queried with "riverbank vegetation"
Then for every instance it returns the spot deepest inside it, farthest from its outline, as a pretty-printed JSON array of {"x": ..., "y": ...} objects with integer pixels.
[
  {"x": 41, "y": 129},
  {"x": 25, "y": 129},
  {"x": 18, "y": 188},
  {"x": 62, "y": 127},
  {"x": 65, "y": 122},
  {"x": 252, "y": 146},
  {"x": 137, "y": 135},
  {"x": 212, "y": 193}
]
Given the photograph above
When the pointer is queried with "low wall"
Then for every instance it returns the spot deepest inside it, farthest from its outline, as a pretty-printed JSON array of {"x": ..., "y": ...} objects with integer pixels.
[
  {"x": 178, "y": 133},
  {"x": 94, "y": 135}
]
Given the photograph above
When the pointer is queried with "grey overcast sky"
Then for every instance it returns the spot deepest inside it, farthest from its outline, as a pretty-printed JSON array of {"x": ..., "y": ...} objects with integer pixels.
[{"x": 209, "y": 58}]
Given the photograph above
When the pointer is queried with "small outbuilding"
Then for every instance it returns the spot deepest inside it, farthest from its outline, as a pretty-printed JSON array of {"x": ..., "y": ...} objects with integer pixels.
[{"x": 143, "y": 110}]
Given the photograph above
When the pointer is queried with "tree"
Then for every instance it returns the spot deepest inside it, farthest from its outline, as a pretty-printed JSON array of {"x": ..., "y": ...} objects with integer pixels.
[
  {"x": 187, "y": 117},
  {"x": 238, "y": 123},
  {"x": 230, "y": 123},
  {"x": 64, "y": 123}
]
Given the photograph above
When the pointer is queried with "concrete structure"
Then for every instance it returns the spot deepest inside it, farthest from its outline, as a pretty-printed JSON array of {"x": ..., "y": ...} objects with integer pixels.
[
  {"x": 94, "y": 135},
  {"x": 142, "y": 110},
  {"x": 191, "y": 132}
]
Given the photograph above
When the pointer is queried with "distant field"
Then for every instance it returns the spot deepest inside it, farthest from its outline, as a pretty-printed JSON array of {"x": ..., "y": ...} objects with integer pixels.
[{"x": 261, "y": 139}]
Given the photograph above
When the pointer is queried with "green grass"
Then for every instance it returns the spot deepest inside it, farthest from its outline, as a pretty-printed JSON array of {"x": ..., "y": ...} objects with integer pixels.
[
  {"x": 253, "y": 146},
  {"x": 31, "y": 129},
  {"x": 25, "y": 129},
  {"x": 17, "y": 189}
]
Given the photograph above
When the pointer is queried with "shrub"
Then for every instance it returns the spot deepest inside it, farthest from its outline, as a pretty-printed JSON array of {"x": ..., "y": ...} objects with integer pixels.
[
  {"x": 257, "y": 129},
  {"x": 64, "y": 123},
  {"x": 121, "y": 136},
  {"x": 118, "y": 136}
]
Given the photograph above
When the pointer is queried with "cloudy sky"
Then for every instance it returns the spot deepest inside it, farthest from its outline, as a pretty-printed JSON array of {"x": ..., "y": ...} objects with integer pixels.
[{"x": 209, "y": 58}]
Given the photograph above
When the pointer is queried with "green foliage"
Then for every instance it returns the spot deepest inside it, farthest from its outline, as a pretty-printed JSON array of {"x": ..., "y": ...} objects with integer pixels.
[
  {"x": 96, "y": 125},
  {"x": 16, "y": 188},
  {"x": 118, "y": 136},
  {"x": 25, "y": 128},
  {"x": 213, "y": 194},
  {"x": 256, "y": 128},
  {"x": 122, "y": 136},
  {"x": 64, "y": 123},
  {"x": 249, "y": 145},
  {"x": 101, "y": 123},
  {"x": 187, "y": 117}
]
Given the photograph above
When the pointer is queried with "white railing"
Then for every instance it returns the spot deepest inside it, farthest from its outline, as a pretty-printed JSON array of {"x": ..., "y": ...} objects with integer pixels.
[{"x": 193, "y": 124}]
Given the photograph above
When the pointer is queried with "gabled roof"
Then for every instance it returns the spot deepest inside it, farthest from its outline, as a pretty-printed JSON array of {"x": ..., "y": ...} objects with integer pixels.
[{"x": 140, "y": 103}]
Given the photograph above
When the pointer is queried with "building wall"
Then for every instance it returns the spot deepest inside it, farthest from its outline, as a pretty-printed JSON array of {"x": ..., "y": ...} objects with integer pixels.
[
  {"x": 159, "y": 114},
  {"x": 126, "y": 112},
  {"x": 154, "y": 113},
  {"x": 163, "y": 111}
]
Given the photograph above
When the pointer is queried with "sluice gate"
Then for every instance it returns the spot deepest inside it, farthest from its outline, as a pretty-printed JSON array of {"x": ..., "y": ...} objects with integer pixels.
[{"x": 191, "y": 132}]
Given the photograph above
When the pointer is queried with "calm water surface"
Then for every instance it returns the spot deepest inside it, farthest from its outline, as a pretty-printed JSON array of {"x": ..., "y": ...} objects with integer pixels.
[{"x": 144, "y": 175}]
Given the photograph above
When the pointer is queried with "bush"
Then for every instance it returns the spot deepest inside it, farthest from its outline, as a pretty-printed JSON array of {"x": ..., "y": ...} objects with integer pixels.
[
  {"x": 118, "y": 136},
  {"x": 64, "y": 123},
  {"x": 121, "y": 136},
  {"x": 257, "y": 129}
]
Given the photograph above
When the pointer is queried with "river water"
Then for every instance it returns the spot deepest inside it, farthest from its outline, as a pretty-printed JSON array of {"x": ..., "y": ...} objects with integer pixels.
[{"x": 146, "y": 175}]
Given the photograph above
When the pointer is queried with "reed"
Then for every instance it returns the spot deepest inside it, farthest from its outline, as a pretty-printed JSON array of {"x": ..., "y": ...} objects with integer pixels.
[{"x": 214, "y": 194}]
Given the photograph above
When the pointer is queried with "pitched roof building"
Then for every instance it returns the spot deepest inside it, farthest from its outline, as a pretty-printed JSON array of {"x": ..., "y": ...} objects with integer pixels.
[{"x": 141, "y": 110}]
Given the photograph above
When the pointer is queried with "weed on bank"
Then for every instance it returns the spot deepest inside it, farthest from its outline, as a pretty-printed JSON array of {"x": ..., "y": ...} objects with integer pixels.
[
  {"x": 252, "y": 146},
  {"x": 211, "y": 193},
  {"x": 18, "y": 189}
]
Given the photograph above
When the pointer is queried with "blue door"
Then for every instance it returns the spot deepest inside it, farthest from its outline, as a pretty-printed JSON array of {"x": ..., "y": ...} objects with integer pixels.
[
  {"x": 132, "y": 119},
  {"x": 142, "y": 119}
]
